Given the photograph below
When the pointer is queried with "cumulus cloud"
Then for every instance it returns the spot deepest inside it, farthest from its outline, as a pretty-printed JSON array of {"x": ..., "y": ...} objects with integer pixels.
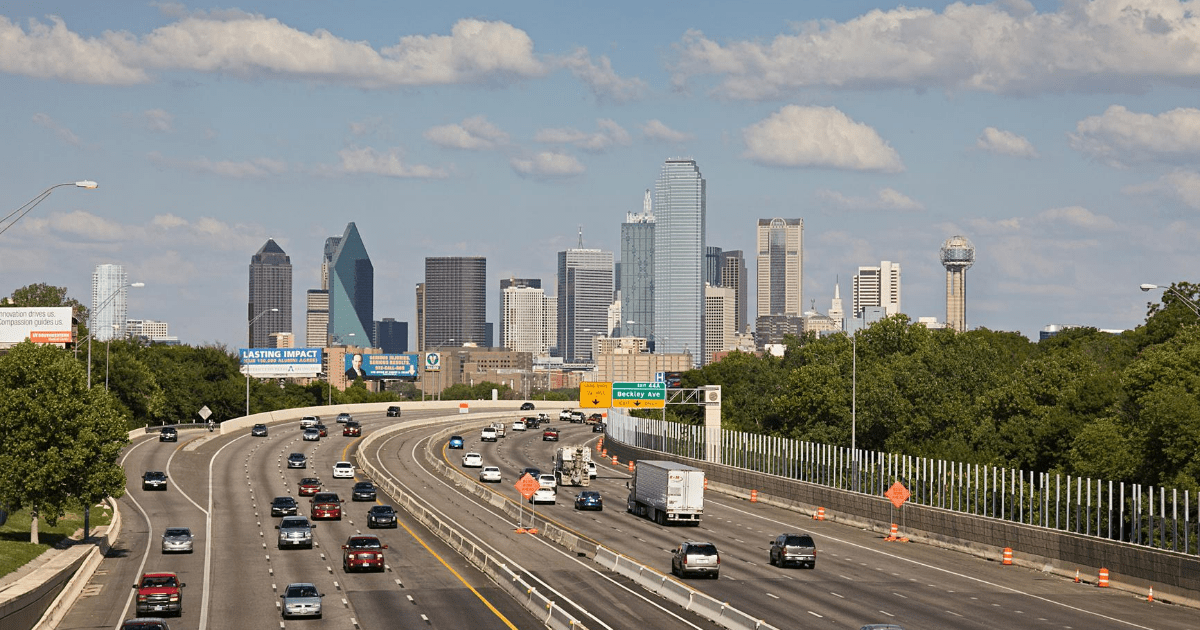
[
  {"x": 547, "y": 165},
  {"x": 472, "y": 134},
  {"x": 657, "y": 131},
  {"x": 158, "y": 120},
  {"x": 87, "y": 228},
  {"x": 1076, "y": 217},
  {"x": 1120, "y": 137},
  {"x": 1179, "y": 186},
  {"x": 821, "y": 137},
  {"x": 604, "y": 82},
  {"x": 884, "y": 199},
  {"x": 367, "y": 160},
  {"x": 247, "y": 169},
  {"x": 608, "y": 135},
  {"x": 371, "y": 126},
  {"x": 64, "y": 134},
  {"x": 52, "y": 51},
  {"x": 1005, "y": 143},
  {"x": 1001, "y": 47}
]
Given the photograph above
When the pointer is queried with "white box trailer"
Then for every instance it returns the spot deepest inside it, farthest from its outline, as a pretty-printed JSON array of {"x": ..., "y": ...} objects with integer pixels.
[{"x": 667, "y": 492}]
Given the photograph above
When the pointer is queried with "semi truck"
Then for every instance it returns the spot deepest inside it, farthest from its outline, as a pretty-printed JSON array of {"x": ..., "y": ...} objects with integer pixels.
[
  {"x": 667, "y": 492},
  {"x": 571, "y": 465}
]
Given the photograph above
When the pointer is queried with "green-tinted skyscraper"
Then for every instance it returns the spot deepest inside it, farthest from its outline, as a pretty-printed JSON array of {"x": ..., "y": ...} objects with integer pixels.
[{"x": 351, "y": 292}]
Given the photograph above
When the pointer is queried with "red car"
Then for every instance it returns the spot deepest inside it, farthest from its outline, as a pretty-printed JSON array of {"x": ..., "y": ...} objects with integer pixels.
[
  {"x": 352, "y": 429},
  {"x": 362, "y": 553},
  {"x": 309, "y": 486},
  {"x": 323, "y": 430},
  {"x": 550, "y": 435},
  {"x": 159, "y": 592},
  {"x": 326, "y": 505}
]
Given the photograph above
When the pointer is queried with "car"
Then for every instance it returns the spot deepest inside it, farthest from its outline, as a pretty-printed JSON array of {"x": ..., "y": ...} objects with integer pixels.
[
  {"x": 565, "y": 414},
  {"x": 696, "y": 558},
  {"x": 309, "y": 421},
  {"x": 393, "y": 412},
  {"x": 531, "y": 471},
  {"x": 599, "y": 427},
  {"x": 154, "y": 480},
  {"x": 297, "y": 460},
  {"x": 518, "y": 425},
  {"x": 363, "y": 491},
  {"x": 535, "y": 422},
  {"x": 284, "y": 506},
  {"x": 546, "y": 480},
  {"x": 309, "y": 486},
  {"x": 301, "y": 599},
  {"x": 472, "y": 460},
  {"x": 145, "y": 623},
  {"x": 325, "y": 505},
  {"x": 550, "y": 434},
  {"x": 381, "y": 516},
  {"x": 456, "y": 441},
  {"x": 168, "y": 434},
  {"x": 295, "y": 531},
  {"x": 542, "y": 495},
  {"x": 258, "y": 430},
  {"x": 352, "y": 429},
  {"x": 362, "y": 553},
  {"x": 344, "y": 417},
  {"x": 159, "y": 592},
  {"x": 487, "y": 434},
  {"x": 589, "y": 500},
  {"x": 577, "y": 417},
  {"x": 881, "y": 626},
  {"x": 490, "y": 474},
  {"x": 591, "y": 469},
  {"x": 343, "y": 470},
  {"x": 528, "y": 406},
  {"x": 793, "y": 548},
  {"x": 322, "y": 429},
  {"x": 595, "y": 418},
  {"x": 177, "y": 539},
  {"x": 312, "y": 434}
]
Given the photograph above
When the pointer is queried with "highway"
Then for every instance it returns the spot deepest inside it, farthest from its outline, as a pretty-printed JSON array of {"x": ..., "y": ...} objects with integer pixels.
[{"x": 220, "y": 487}]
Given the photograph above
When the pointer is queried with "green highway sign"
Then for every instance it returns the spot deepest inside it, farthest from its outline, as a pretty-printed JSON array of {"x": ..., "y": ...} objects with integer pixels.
[{"x": 639, "y": 395}]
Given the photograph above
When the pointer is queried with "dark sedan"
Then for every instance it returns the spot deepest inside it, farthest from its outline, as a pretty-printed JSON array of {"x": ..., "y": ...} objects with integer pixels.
[
  {"x": 589, "y": 500},
  {"x": 309, "y": 486},
  {"x": 284, "y": 506},
  {"x": 527, "y": 406},
  {"x": 258, "y": 430},
  {"x": 393, "y": 412},
  {"x": 324, "y": 432},
  {"x": 297, "y": 460},
  {"x": 154, "y": 480},
  {"x": 168, "y": 434},
  {"x": 381, "y": 516},
  {"x": 363, "y": 491},
  {"x": 598, "y": 427},
  {"x": 352, "y": 429}
]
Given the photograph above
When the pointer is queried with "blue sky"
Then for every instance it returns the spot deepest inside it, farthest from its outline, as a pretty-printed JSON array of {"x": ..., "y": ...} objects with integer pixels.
[{"x": 1063, "y": 139}]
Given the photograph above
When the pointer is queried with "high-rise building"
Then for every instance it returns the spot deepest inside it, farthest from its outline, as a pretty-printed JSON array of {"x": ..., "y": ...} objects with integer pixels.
[
  {"x": 351, "y": 279},
  {"x": 720, "y": 319},
  {"x": 316, "y": 318},
  {"x": 836, "y": 312},
  {"x": 270, "y": 288},
  {"x": 109, "y": 305},
  {"x": 957, "y": 255},
  {"x": 585, "y": 289},
  {"x": 733, "y": 276},
  {"x": 712, "y": 265},
  {"x": 505, "y": 283},
  {"x": 454, "y": 301},
  {"x": 529, "y": 318},
  {"x": 780, "y": 267},
  {"x": 877, "y": 286},
  {"x": 391, "y": 336},
  {"x": 679, "y": 242},
  {"x": 637, "y": 272}
]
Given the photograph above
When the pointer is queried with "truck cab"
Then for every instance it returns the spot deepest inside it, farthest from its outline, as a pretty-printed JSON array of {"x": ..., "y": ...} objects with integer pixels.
[{"x": 159, "y": 592}]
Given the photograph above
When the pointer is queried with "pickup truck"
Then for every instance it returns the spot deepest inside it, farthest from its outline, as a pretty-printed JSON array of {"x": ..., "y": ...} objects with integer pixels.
[
  {"x": 295, "y": 531},
  {"x": 488, "y": 434},
  {"x": 159, "y": 592}
]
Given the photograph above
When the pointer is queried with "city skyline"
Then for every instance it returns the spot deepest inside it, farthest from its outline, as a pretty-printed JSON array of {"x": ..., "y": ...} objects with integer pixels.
[{"x": 475, "y": 128}]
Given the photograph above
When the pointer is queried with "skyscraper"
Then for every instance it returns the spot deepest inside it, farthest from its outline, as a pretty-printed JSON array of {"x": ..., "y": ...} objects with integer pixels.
[
  {"x": 877, "y": 286},
  {"x": 454, "y": 301},
  {"x": 679, "y": 249},
  {"x": 351, "y": 283},
  {"x": 270, "y": 287},
  {"x": 505, "y": 283},
  {"x": 637, "y": 272},
  {"x": 316, "y": 329},
  {"x": 957, "y": 255},
  {"x": 712, "y": 265},
  {"x": 733, "y": 276},
  {"x": 720, "y": 318},
  {"x": 391, "y": 336},
  {"x": 585, "y": 290},
  {"x": 109, "y": 305},
  {"x": 780, "y": 267},
  {"x": 529, "y": 317}
]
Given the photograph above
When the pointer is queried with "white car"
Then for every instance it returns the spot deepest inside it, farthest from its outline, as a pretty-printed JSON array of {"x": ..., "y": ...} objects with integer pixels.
[
  {"x": 518, "y": 425},
  {"x": 542, "y": 495},
  {"x": 472, "y": 460},
  {"x": 490, "y": 474},
  {"x": 546, "y": 480},
  {"x": 488, "y": 434},
  {"x": 343, "y": 470},
  {"x": 565, "y": 414},
  {"x": 592, "y": 470}
]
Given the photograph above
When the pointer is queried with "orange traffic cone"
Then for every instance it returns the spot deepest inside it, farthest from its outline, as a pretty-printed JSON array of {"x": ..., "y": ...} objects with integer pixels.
[
  {"x": 820, "y": 515},
  {"x": 754, "y": 496},
  {"x": 1151, "y": 597},
  {"x": 631, "y": 465},
  {"x": 895, "y": 533},
  {"x": 1076, "y": 576},
  {"x": 1103, "y": 581},
  {"x": 1007, "y": 556}
]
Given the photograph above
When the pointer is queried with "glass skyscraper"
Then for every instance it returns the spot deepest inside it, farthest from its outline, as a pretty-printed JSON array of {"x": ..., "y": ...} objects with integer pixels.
[
  {"x": 679, "y": 254},
  {"x": 270, "y": 287},
  {"x": 585, "y": 291},
  {"x": 780, "y": 267},
  {"x": 109, "y": 306},
  {"x": 637, "y": 273},
  {"x": 351, "y": 291},
  {"x": 452, "y": 303}
]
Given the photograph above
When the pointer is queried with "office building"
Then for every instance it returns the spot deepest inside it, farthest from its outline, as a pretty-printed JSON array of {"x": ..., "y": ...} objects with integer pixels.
[
  {"x": 351, "y": 283},
  {"x": 720, "y": 320},
  {"x": 712, "y": 265},
  {"x": 772, "y": 329},
  {"x": 733, "y": 276},
  {"x": 110, "y": 292},
  {"x": 780, "y": 267},
  {"x": 391, "y": 336},
  {"x": 957, "y": 255},
  {"x": 316, "y": 319},
  {"x": 505, "y": 283},
  {"x": 637, "y": 272},
  {"x": 529, "y": 319},
  {"x": 452, "y": 302},
  {"x": 270, "y": 288},
  {"x": 585, "y": 289},
  {"x": 679, "y": 249},
  {"x": 877, "y": 286},
  {"x": 836, "y": 312}
]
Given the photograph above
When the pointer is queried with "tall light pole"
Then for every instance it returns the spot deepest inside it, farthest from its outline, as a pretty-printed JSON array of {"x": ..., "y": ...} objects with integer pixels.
[
  {"x": 250, "y": 343},
  {"x": 107, "y": 353},
  {"x": 29, "y": 205},
  {"x": 1182, "y": 298},
  {"x": 92, "y": 316}
]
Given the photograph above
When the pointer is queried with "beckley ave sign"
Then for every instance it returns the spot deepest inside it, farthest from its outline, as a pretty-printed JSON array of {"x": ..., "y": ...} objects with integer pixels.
[{"x": 639, "y": 395}]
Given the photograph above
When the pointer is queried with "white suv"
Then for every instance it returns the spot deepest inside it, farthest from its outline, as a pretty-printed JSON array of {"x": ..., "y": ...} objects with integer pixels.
[
  {"x": 343, "y": 470},
  {"x": 565, "y": 414}
]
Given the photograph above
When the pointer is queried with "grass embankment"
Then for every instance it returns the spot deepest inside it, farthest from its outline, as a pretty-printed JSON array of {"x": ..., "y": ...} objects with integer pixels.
[{"x": 15, "y": 548}]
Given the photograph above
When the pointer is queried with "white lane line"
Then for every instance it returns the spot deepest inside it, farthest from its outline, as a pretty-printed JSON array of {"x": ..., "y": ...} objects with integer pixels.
[
  {"x": 204, "y": 601},
  {"x": 816, "y": 615},
  {"x": 149, "y": 535},
  {"x": 772, "y": 596}
]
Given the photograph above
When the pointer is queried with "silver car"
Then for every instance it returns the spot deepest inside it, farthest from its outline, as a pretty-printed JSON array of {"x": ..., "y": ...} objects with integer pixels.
[
  {"x": 177, "y": 539},
  {"x": 301, "y": 599}
]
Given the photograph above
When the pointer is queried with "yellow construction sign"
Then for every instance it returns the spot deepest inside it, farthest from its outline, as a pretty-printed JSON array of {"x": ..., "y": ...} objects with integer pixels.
[{"x": 595, "y": 395}]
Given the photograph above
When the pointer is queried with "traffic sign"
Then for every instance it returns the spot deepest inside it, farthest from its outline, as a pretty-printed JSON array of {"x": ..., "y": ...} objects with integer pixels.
[
  {"x": 897, "y": 494},
  {"x": 527, "y": 485},
  {"x": 660, "y": 377},
  {"x": 639, "y": 395},
  {"x": 595, "y": 395},
  {"x": 205, "y": 412},
  {"x": 433, "y": 362}
]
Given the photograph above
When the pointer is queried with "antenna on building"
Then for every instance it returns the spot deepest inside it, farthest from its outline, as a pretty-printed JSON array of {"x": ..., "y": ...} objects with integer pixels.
[
  {"x": 646, "y": 202},
  {"x": 581, "y": 237}
]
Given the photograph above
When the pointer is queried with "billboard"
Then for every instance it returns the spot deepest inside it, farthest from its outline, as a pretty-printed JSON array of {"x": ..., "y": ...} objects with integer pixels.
[
  {"x": 378, "y": 366},
  {"x": 38, "y": 324},
  {"x": 280, "y": 362}
]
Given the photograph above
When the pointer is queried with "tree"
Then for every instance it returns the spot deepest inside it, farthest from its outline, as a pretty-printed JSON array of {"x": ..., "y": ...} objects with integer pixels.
[
  {"x": 59, "y": 441},
  {"x": 45, "y": 295}
]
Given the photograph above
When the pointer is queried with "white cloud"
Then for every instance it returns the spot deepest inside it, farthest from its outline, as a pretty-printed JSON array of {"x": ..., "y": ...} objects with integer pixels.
[
  {"x": 610, "y": 134},
  {"x": 657, "y": 131},
  {"x": 473, "y": 134},
  {"x": 158, "y": 120},
  {"x": 547, "y": 165},
  {"x": 371, "y": 126},
  {"x": 821, "y": 137},
  {"x": 389, "y": 164},
  {"x": 1005, "y": 143},
  {"x": 248, "y": 169},
  {"x": 1180, "y": 186},
  {"x": 604, "y": 82},
  {"x": 51, "y": 51},
  {"x": 884, "y": 199},
  {"x": 64, "y": 134},
  {"x": 1109, "y": 46},
  {"x": 1076, "y": 217},
  {"x": 86, "y": 228},
  {"x": 1120, "y": 137}
]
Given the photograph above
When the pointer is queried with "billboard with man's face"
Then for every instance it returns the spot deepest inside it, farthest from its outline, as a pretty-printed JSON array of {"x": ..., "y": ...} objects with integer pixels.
[{"x": 381, "y": 366}]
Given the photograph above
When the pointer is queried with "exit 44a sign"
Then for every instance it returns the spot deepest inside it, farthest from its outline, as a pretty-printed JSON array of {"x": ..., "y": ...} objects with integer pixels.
[{"x": 639, "y": 395}]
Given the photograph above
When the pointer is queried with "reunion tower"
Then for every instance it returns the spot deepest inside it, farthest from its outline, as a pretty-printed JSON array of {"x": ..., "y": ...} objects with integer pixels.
[{"x": 958, "y": 254}]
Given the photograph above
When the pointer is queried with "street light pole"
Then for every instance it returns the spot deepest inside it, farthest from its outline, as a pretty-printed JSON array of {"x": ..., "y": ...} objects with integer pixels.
[
  {"x": 250, "y": 344},
  {"x": 29, "y": 205},
  {"x": 1190, "y": 304},
  {"x": 92, "y": 316}
]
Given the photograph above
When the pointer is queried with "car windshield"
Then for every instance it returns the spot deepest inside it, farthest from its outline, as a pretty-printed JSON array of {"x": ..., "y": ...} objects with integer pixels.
[
  {"x": 306, "y": 590},
  {"x": 294, "y": 522},
  {"x": 164, "y": 581},
  {"x": 591, "y": 495},
  {"x": 363, "y": 485},
  {"x": 178, "y": 531},
  {"x": 365, "y": 543},
  {"x": 142, "y": 625},
  {"x": 382, "y": 509},
  {"x": 296, "y": 456},
  {"x": 309, "y": 481},
  {"x": 798, "y": 541},
  {"x": 702, "y": 550},
  {"x": 284, "y": 501}
]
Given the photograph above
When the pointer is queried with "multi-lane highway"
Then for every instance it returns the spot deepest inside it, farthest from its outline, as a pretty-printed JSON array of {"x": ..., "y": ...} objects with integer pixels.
[{"x": 220, "y": 487}]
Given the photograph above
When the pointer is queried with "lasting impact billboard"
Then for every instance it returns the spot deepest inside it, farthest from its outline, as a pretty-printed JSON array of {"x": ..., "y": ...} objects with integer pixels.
[
  {"x": 380, "y": 366},
  {"x": 37, "y": 324},
  {"x": 280, "y": 362}
]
